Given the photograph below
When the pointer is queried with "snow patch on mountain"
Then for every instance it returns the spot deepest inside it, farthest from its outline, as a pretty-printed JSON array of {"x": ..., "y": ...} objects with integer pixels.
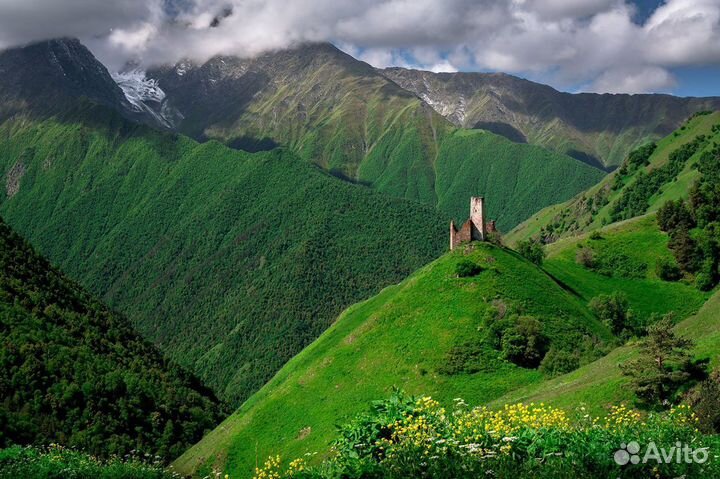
[
  {"x": 138, "y": 88},
  {"x": 143, "y": 93}
]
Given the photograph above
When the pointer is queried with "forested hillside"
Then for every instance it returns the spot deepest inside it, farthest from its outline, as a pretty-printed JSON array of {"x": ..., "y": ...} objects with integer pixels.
[
  {"x": 73, "y": 372},
  {"x": 230, "y": 262}
]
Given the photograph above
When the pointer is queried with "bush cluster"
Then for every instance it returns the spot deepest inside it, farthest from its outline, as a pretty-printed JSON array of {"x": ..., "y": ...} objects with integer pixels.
[
  {"x": 532, "y": 250},
  {"x": 467, "y": 269},
  {"x": 694, "y": 227},
  {"x": 56, "y": 462},
  {"x": 404, "y": 437},
  {"x": 635, "y": 198}
]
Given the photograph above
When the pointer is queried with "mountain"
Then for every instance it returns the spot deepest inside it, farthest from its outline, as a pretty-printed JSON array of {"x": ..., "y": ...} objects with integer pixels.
[
  {"x": 74, "y": 372},
  {"x": 350, "y": 120},
  {"x": 47, "y": 77},
  {"x": 600, "y": 129},
  {"x": 650, "y": 176}
]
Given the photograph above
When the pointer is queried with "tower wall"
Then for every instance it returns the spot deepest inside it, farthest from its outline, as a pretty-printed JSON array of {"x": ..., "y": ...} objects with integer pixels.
[{"x": 477, "y": 218}]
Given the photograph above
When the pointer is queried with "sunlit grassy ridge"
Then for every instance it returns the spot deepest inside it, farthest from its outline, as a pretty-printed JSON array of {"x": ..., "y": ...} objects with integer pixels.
[
  {"x": 643, "y": 244},
  {"x": 601, "y": 383},
  {"x": 402, "y": 337},
  {"x": 593, "y": 208}
]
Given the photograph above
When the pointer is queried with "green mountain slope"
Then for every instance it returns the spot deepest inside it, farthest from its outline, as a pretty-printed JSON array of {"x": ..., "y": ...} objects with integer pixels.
[
  {"x": 75, "y": 373},
  {"x": 634, "y": 189},
  {"x": 525, "y": 111},
  {"x": 344, "y": 116},
  {"x": 601, "y": 383},
  {"x": 421, "y": 335},
  {"x": 230, "y": 262}
]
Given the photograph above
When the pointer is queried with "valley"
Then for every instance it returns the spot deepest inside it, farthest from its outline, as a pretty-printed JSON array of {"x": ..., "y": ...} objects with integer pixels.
[{"x": 239, "y": 265}]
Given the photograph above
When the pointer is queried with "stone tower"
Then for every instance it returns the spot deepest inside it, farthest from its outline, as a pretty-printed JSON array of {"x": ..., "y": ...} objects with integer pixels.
[
  {"x": 475, "y": 228},
  {"x": 477, "y": 218}
]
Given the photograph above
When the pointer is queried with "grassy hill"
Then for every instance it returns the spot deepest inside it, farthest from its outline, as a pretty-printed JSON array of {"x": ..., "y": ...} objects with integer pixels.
[
  {"x": 601, "y": 383},
  {"x": 421, "y": 336},
  {"x": 631, "y": 190},
  {"x": 344, "y": 116},
  {"x": 426, "y": 335},
  {"x": 75, "y": 373}
]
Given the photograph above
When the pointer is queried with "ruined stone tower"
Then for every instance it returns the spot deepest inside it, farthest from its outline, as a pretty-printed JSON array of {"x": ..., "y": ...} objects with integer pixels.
[
  {"x": 477, "y": 217},
  {"x": 475, "y": 228}
]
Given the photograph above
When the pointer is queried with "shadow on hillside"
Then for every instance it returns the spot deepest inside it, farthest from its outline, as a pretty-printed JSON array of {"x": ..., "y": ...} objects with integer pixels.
[{"x": 502, "y": 129}]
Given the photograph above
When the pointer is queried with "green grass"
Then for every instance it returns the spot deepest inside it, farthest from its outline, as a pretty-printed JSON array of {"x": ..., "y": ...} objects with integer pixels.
[
  {"x": 576, "y": 216},
  {"x": 231, "y": 262},
  {"x": 58, "y": 462},
  {"x": 601, "y": 383},
  {"x": 399, "y": 338},
  {"x": 641, "y": 241}
]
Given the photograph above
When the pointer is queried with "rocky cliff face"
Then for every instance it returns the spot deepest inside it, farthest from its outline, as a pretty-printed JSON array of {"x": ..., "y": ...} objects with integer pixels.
[
  {"x": 598, "y": 129},
  {"x": 46, "y": 77}
]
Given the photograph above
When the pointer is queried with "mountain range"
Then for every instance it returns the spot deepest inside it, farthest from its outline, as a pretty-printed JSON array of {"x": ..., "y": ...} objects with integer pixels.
[
  {"x": 278, "y": 226},
  {"x": 335, "y": 110},
  {"x": 600, "y": 129},
  {"x": 157, "y": 224}
]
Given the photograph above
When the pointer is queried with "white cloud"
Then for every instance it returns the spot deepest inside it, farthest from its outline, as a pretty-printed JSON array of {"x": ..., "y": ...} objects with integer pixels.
[
  {"x": 563, "y": 42},
  {"x": 643, "y": 79}
]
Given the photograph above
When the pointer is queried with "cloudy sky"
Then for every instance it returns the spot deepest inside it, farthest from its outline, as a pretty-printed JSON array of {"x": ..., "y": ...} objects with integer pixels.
[{"x": 575, "y": 45}]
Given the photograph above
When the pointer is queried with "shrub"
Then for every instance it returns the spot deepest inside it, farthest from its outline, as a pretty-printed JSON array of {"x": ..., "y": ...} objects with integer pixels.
[
  {"x": 595, "y": 235},
  {"x": 532, "y": 250},
  {"x": 705, "y": 401},
  {"x": 524, "y": 343},
  {"x": 613, "y": 310},
  {"x": 686, "y": 251},
  {"x": 57, "y": 462},
  {"x": 585, "y": 256},
  {"x": 667, "y": 270},
  {"x": 675, "y": 215},
  {"x": 559, "y": 361},
  {"x": 704, "y": 282},
  {"x": 466, "y": 269}
]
